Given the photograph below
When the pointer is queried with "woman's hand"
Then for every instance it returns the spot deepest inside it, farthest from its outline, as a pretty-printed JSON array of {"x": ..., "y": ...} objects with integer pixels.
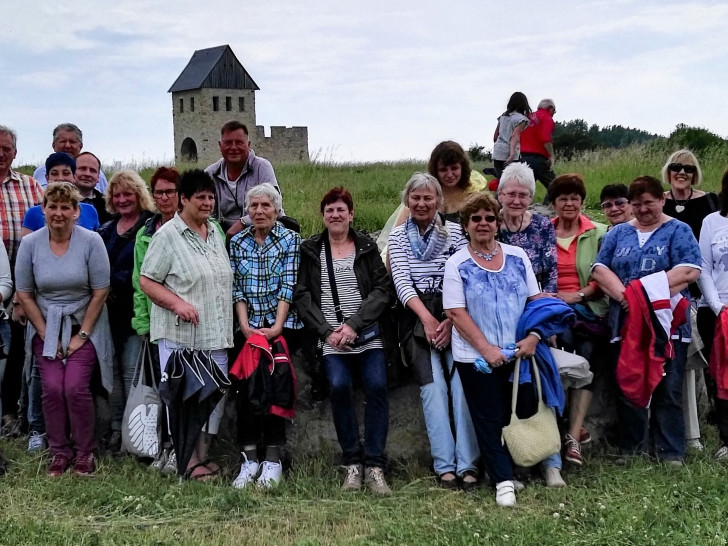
[
  {"x": 494, "y": 357},
  {"x": 186, "y": 311},
  {"x": 443, "y": 334},
  {"x": 74, "y": 345},
  {"x": 336, "y": 340},
  {"x": 569, "y": 297},
  {"x": 247, "y": 331},
  {"x": 431, "y": 329},
  {"x": 348, "y": 334},
  {"x": 271, "y": 333},
  {"x": 527, "y": 346}
]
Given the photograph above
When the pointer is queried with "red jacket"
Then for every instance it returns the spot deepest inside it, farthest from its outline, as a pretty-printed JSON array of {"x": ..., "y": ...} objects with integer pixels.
[
  {"x": 646, "y": 342},
  {"x": 269, "y": 376},
  {"x": 719, "y": 356}
]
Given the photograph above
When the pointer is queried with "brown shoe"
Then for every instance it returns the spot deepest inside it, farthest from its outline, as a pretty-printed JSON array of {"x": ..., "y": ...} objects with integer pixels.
[
  {"x": 85, "y": 465},
  {"x": 374, "y": 479},
  {"x": 59, "y": 464}
]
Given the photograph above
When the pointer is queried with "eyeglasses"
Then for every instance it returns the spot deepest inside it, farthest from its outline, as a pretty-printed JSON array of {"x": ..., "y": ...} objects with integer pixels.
[
  {"x": 161, "y": 193},
  {"x": 516, "y": 195},
  {"x": 677, "y": 167},
  {"x": 617, "y": 203},
  {"x": 477, "y": 218}
]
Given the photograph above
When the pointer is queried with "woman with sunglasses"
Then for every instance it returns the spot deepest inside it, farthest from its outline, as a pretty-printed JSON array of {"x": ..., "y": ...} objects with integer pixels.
[
  {"x": 483, "y": 280},
  {"x": 682, "y": 174}
]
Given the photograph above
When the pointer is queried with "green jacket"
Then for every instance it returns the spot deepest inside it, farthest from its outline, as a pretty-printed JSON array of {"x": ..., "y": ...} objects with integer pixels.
[{"x": 142, "y": 304}]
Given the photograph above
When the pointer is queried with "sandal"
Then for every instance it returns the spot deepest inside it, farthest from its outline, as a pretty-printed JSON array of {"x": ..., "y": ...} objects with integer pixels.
[
  {"x": 448, "y": 483},
  {"x": 469, "y": 480},
  {"x": 200, "y": 472}
]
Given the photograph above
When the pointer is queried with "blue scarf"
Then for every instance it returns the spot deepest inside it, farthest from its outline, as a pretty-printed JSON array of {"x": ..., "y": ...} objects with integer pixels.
[{"x": 432, "y": 243}]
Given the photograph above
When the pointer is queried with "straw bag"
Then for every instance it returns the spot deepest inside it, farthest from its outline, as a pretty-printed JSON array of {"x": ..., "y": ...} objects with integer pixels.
[{"x": 531, "y": 440}]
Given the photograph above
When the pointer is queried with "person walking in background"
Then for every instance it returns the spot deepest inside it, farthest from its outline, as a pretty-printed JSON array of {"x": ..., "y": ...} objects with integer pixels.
[
  {"x": 507, "y": 137},
  {"x": 537, "y": 150}
]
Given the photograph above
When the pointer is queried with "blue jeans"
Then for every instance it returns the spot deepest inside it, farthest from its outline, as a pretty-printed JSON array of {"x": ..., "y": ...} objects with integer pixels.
[
  {"x": 36, "y": 421},
  {"x": 373, "y": 369},
  {"x": 124, "y": 366},
  {"x": 664, "y": 423},
  {"x": 456, "y": 452}
]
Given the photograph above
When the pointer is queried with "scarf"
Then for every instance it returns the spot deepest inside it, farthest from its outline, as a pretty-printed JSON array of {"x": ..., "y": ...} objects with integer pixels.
[{"x": 432, "y": 243}]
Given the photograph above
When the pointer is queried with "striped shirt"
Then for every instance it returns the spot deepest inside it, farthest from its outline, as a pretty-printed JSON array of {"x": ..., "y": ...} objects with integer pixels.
[
  {"x": 19, "y": 193},
  {"x": 425, "y": 275},
  {"x": 265, "y": 274},
  {"x": 349, "y": 299}
]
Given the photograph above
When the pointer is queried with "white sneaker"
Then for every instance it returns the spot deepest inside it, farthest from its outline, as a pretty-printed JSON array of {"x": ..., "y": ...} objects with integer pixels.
[
  {"x": 722, "y": 453},
  {"x": 36, "y": 442},
  {"x": 694, "y": 443},
  {"x": 505, "y": 493},
  {"x": 553, "y": 477},
  {"x": 170, "y": 467},
  {"x": 271, "y": 474},
  {"x": 248, "y": 472},
  {"x": 352, "y": 482}
]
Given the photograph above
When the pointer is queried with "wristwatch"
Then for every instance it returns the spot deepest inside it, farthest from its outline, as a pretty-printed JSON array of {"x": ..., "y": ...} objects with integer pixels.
[
  {"x": 83, "y": 334},
  {"x": 582, "y": 296}
]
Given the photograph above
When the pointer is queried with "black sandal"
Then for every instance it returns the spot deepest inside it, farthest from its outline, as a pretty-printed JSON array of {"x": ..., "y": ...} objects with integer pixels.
[
  {"x": 469, "y": 485},
  {"x": 448, "y": 484}
]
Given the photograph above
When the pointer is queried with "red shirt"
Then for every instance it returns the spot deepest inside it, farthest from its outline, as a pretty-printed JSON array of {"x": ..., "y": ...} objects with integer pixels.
[{"x": 538, "y": 132}]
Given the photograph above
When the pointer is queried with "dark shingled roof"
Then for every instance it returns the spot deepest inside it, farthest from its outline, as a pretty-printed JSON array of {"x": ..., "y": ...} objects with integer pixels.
[{"x": 215, "y": 67}]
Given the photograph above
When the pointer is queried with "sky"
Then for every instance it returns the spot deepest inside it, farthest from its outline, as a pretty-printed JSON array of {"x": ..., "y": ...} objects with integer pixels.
[{"x": 373, "y": 81}]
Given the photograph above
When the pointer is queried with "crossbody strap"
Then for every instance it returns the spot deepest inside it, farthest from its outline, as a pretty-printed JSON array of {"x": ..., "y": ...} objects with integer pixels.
[{"x": 332, "y": 281}]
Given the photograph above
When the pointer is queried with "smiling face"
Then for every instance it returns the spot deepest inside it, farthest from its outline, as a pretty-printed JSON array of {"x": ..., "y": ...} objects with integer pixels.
[
  {"x": 235, "y": 147},
  {"x": 647, "y": 208},
  {"x": 449, "y": 175},
  {"x": 68, "y": 142},
  {"x": 568, "y": 206},
  {"x": 422, "y": 203},
  {"x": 679, "y": 177},
  {"x": 515, "y": 198},
  {"x": 262, "y": 212},
  {"x": 87, "y": 172},
  {"x": 60, "y": 215},
  {"x": 125, "y": 201},
  {"x": 617, "y": 210},
  {"x": 337, "y": 217},
  {"x": 482, "y": 227}
]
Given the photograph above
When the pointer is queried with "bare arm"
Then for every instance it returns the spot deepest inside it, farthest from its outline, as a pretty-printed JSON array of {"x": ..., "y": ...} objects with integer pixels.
[
  {"x": 609, "y": 282},
  {"x": 241, "y": 309},
  {"x": 165, "y": 298},
  {"x": 516, "y": 140},
  {"x": 495, "y": 135},
  {"x": 550, "y": 149},
  {"x": 281, "y": 314},
  {"x": 680, "y": 277}
]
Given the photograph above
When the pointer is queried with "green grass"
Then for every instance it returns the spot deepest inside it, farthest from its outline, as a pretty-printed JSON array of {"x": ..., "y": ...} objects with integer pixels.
[{"x": 644, "y": 503}]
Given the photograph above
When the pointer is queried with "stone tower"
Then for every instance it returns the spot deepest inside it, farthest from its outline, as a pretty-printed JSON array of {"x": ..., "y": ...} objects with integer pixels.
[{"x": 215, "y": 88}]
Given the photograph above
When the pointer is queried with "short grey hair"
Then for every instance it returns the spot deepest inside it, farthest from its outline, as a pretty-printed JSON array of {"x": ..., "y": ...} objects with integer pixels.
[
  {"x": 266, "y": 189},
  {"x": 68, "y": 127},
  {"x": 4, "y": 130},
  {"x": 546, "y": 103},
  {"x": 422, "y": 180},
  {"x": 521, "y": 174}
]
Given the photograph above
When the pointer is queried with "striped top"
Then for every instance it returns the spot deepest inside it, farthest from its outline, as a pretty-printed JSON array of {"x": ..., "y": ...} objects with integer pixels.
[
  {"x": 407, "y": 270},
  {"x": 349, "y": 298}
]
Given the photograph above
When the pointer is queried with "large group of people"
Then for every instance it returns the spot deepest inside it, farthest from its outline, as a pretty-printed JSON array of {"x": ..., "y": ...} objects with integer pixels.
[{"x": 482, "y": 285}]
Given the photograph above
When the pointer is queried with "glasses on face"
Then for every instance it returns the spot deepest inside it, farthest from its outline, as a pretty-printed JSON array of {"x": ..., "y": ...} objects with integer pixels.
[
  {"x": 617, "y": 203},
  {"x": 677, "y": 167},
  {"x": 513, "y": 195},
  {"x": 477, "y": 218},
  {"x": 164, "y": 193}
]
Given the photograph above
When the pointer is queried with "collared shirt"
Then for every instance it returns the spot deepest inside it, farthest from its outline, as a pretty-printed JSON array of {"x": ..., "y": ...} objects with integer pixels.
[
  {"x": 40, "y": 175},
  {"x": 540, "y": 126},
  {"x": 19, "y": 193},
  {"x": 265, "y": 274},
  {"x": 197, "y": 271}
]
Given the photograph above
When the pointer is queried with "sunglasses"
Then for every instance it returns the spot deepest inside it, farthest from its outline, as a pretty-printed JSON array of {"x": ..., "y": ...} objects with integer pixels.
[
  {"x": 618, "y": 203},
  {"x": 477, "y": 218},
  {"x": 677, "y": 167}
]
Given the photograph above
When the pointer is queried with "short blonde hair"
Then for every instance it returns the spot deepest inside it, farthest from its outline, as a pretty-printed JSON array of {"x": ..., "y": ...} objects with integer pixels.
[
  {"x": 128, "y": 179},
  {"x": 62, "y": 192}
]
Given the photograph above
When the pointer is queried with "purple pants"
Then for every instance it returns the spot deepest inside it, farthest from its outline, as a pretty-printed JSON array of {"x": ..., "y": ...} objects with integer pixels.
[{"x": 68, "y": 406}]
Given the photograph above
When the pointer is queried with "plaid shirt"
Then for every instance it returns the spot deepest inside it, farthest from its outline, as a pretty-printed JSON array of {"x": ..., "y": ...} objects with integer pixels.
[
  {"x": 264, "y": 275},
  {"x": 19, "y": 193}
]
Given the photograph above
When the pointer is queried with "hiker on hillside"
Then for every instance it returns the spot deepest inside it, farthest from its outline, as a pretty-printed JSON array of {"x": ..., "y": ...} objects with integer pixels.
[
  {"x": 537, "y": 150},
  {"x": 507, "y": 137}
]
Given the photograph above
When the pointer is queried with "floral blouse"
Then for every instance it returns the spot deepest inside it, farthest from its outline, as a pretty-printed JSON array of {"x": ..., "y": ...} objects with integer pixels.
[{"x": 538, "y": 240}]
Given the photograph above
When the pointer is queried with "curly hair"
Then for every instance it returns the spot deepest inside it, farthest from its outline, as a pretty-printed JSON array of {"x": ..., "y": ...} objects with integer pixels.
[
  {"x": 473, "y": 203},
  {"x": 128, "y": 180},
  {"x": 62, "y": 192}
]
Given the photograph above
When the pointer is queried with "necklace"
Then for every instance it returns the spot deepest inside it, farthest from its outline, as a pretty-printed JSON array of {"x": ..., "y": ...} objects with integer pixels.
[
  {"x": 680, "y": 205},
  {"x": 487, "y": 256},
  {"x": 520, "y": 226}
]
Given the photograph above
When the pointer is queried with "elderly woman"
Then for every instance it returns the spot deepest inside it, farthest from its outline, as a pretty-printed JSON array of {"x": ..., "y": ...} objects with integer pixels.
[
  {"x": 62, "y": 278},
  {"x": 525, "y": 229},
  {"x": 683, "y": 201},
  {"x": 577, "y": 244},
  {"x": 614, "y": 204},
  {"x": 418, "y": 250},
  {"x": 483, "y": 280},
  {"x": 164, "y": 192},
  {"x": 507, "y": 137},
  {"x": 714, "y": 286},
  {"x": 362, "y": 289},
  {"x": 128, "y": 199},
  {"x": 265, "y": 258},
  {"x": 649, "y": 244},
  {"x": 186, "y": 273}
]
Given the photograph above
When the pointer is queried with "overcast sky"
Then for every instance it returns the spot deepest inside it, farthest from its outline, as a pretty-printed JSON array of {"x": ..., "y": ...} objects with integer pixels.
[{"x": 376, "y": 80}]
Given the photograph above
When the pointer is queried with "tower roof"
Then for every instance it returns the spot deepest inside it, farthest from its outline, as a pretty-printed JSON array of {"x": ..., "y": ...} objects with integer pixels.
[{"x": 215, "y": 67}]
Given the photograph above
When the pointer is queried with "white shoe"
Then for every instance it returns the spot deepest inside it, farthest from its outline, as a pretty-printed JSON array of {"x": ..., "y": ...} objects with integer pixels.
[
  {"x": 36, "y": 442},
  {"x": 694, "y": 443},
  {"x": 248, "y": 472},
  {"x": 374, "y": 478},
  {"x": 722, "y": 453},
  {"x": 170, "y": 467},
  {"x": 553, "y": 477},
  {"x": 505, "y": 493},
  {"x": 270, "y": 475},
  {"x": 353, "y": 479}
]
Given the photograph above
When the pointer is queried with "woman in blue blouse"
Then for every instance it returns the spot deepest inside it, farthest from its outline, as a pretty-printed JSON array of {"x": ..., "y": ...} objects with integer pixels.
[{"x": 650, "y": 243}]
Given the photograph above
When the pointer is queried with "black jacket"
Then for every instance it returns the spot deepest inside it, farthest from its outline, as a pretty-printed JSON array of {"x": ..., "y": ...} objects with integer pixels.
[{"x": 375, "y": 284}]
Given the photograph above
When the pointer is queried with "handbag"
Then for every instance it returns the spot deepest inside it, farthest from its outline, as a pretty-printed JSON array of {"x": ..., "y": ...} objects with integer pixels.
[
  {"x": 531, "y": 440},
  {"x": 573, "y": 369},
  {"x": 141, "y": 431},
  {"x": 367, "y": 333}
]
